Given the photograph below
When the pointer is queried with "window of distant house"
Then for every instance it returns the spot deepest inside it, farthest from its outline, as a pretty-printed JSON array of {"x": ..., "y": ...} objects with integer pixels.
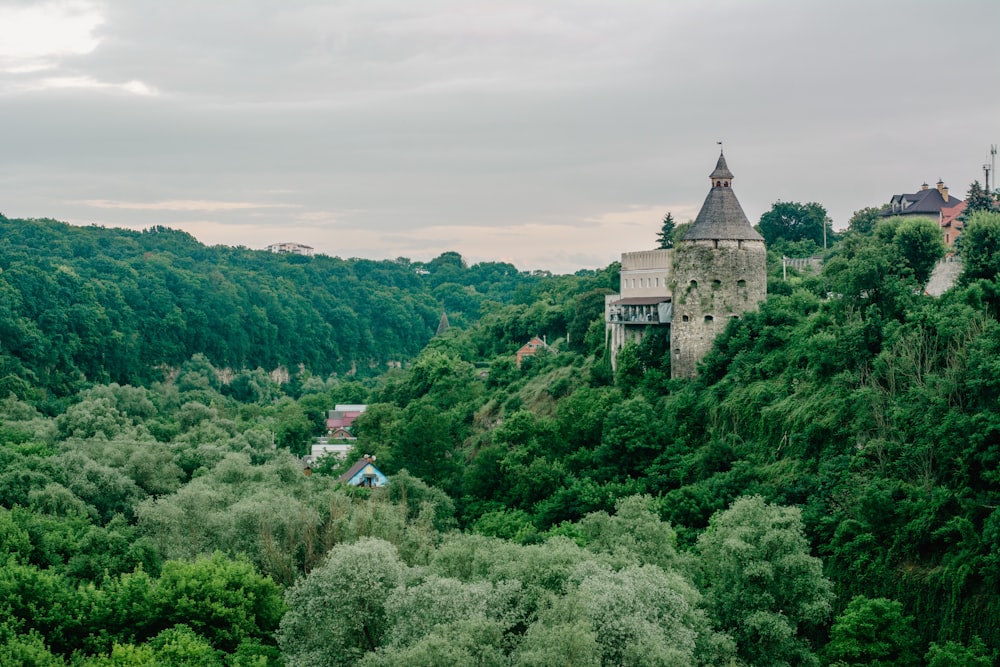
[{"x": 657, "y": 282}]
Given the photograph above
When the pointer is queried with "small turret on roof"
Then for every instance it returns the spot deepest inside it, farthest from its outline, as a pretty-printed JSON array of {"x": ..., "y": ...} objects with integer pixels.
[
  {"x": 721, "y": 169},
  {"x": 721, "y": 216}
]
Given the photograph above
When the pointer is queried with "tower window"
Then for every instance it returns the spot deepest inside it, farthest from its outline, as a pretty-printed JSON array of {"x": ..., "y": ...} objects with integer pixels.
[
  {"x": 741, "y": 283},
  {"x": 709, "y": 318},
  {"x": 694, "y": 284},
  {"x": 685, "y": 318},
  {"x": 715, "y": 243},
  {"x": 716, "y": 284}
]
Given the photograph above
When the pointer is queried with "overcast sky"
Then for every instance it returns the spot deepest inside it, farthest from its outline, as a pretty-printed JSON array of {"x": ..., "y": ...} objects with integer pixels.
[{"x": 552, "y": 134}]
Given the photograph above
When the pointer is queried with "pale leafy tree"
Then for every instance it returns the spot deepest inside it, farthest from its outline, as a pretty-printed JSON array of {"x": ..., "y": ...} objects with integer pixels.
[
  {"x": 337, "y": 614},
  {"x": 560, "y": 644},
  {"x": 413, "y": 612},
  {"x": 474, "y": 642},
  {"x": 637, "y": 616},
  {"x": 761, "y": 584},
  {"x": 634, "y": 531}
]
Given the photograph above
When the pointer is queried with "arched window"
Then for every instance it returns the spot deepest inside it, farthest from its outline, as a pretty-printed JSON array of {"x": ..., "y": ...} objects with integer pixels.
[
  {"x": 694, "y": 284},
  {"x": 709, "y": 318},
  {"x": 741, "y": 283},
  {"x": 716, "y": 284}
]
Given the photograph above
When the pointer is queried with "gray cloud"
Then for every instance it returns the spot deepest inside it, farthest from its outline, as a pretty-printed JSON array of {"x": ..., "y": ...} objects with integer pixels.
[{"x": 340, "y": 120}]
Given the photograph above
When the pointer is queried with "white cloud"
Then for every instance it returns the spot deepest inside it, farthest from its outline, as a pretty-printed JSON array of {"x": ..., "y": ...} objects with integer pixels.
[
  {"x": 134, "y": 87},
  {"x": 35, "y": 36}
]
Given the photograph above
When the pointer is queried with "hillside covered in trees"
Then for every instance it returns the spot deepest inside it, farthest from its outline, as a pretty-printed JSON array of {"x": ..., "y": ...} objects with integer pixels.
[
  {"x": 824, "y": 492},
  {"x": 94, "y": 305}
]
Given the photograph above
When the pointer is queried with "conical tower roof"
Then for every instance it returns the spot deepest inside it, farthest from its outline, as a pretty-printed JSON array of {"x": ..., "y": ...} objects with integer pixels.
[
  {"x": 443, "y": 324},
  {"x": 721, "y": 169},
  {"x": 721, "y": 216}
]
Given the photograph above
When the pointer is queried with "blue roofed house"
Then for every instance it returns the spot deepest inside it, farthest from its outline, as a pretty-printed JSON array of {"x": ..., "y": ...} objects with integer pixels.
[{"x": 364, "y": 473}]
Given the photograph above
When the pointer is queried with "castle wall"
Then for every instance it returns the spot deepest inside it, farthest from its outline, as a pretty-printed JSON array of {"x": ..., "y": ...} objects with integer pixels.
[
  {"x": 713, "y": 282},
  {"x": 646, "y": 273}
]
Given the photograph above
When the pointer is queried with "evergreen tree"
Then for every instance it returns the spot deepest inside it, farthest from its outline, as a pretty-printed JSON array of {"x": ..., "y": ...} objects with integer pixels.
[
  {"x": 666, "y": 235},
  {"x": 977, "y": 199}
]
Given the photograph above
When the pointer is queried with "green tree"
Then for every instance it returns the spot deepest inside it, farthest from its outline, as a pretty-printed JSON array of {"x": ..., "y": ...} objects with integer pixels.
[
  {"x": 761, "y": 584},
  {"x": 863, "y": 221},
  {"x": 981, "y": 247},
  {"x": 226, "y": 601},
  {"x": 953, "y": 654},
  {"x": 873, "y": 632},
  {"x": 791, "y": 222},
  {"x": 665, "y": 237},
  {"x": 919, "y": 244},
  {"x": 977, "y": 199}
]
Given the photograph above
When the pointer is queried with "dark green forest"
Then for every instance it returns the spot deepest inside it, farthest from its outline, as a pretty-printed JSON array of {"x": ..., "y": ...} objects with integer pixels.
[{"x": 825, "y": 492}]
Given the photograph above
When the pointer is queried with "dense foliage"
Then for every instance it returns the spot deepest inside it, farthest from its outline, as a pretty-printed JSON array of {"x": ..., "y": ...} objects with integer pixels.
[
  {"x": 85, "y": 305},
  {"x": 825, "y": 492}
]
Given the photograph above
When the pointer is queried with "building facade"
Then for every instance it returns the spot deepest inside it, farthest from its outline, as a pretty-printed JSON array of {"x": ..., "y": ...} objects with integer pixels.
[
  {"x": 717, "y": 272},
  {"x": 292, "y": 248}
]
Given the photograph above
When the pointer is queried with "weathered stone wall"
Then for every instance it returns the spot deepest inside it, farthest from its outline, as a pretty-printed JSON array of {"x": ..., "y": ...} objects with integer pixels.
[{"x": 713, "y": 281}]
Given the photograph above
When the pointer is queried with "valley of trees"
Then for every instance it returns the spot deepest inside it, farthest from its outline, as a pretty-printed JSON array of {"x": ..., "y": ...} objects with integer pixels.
[{"x": 825, "y": 492}]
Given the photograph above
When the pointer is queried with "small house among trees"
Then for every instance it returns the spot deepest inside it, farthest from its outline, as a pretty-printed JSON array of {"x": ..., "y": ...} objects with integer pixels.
[
  {"x": 364, "y": 473},
  {"x": 530, "y": 348},
  {"x": 926, "y": 202}
]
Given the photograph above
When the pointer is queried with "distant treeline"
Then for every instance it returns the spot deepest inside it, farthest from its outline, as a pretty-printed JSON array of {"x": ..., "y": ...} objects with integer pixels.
[{"x": 84, "y": 305}]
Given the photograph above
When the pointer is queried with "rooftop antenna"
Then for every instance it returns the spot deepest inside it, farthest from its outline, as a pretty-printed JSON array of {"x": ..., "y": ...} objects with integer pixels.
[
  {"x": 720, "y": 146},
  {"x": 993, "y": 168}
]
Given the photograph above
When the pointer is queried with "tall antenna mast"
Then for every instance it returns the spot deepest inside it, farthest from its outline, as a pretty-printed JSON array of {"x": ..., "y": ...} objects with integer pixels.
[{"x": 993, "y": 167}]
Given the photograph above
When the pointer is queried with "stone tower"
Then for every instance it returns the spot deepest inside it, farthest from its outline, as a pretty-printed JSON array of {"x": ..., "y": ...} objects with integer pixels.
[{"x": 719, "y": 273}]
